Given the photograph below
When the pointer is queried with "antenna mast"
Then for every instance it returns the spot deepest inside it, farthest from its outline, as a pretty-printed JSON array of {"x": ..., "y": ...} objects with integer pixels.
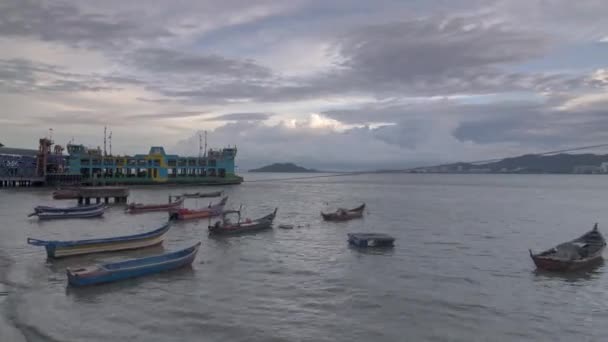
[
  {"x": 110, "y": 137},
  {"x": 105, "y": 128},
  {"x": 200, "y": 147},
  {"x": 205, "y": 144}
]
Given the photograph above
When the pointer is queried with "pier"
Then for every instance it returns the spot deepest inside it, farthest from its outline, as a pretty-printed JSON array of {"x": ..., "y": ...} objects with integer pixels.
[
  {"x": 20, "y": 182},
  {"x": 105, "y": 193}
]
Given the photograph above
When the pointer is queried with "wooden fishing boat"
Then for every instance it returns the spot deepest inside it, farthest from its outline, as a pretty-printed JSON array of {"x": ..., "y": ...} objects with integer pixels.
[
  {"x": 202, "y": 194},
  {"x": 225, "y": 227},
  {"x": 66, "y": 194},
  {"x": 111, "y": 272},
  {"x": 371, "y": 240},
  {"x": 134, "y": 208},
  {"x": 344, "y": 214},
  {"x": 97, "y": 212},
  {"x": 60, "y": 249},
  {"x": 572, "y": 255},
  {"x": 45, "y": 209},
  {"x": 191, "y": 214}
]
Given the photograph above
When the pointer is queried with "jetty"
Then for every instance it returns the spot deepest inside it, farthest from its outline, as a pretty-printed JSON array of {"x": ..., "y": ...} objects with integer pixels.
[
  {"x": 118, "y": 193},
  {"x": 20, "y": 182}
]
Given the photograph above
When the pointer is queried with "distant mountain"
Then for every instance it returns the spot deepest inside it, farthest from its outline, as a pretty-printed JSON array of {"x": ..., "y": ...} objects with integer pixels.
[
  {"x": 282, "y": 167},
  {"x": 533, "y": 163}
]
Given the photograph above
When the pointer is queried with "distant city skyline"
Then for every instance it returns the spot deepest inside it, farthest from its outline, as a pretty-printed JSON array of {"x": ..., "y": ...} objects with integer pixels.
[{"x": 329, "y": 85}]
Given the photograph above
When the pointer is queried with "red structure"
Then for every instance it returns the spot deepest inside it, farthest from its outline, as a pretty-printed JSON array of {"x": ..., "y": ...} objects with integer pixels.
[{"x": 44, "y": 149}]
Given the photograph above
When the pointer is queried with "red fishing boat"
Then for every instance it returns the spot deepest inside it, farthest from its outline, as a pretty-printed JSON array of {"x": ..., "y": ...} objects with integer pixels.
[
  {"x": 65, "y": 194},
  {"x": 134, "y": 208},
  {"x": 576, "y": 254},
  {"x": 225, "y": 227},
  {"x": 191, "y": 214},
  {"x": 344, "y": 214}
]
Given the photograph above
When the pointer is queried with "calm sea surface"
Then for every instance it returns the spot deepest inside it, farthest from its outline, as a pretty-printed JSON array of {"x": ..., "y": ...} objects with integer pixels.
[{"x": 460, "y": 270}]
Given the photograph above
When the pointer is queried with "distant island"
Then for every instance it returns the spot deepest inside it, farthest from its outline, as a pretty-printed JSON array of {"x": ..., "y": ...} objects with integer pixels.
[
  {"x": 529, "y": 163},
  {"x": 283, "y": 167}
]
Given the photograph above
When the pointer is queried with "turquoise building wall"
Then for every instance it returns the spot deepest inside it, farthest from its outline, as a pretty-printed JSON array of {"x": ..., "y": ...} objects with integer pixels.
[{"x": 156, "y": 166}]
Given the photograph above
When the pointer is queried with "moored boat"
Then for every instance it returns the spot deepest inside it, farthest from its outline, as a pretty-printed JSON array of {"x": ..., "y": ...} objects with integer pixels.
[
  {"x": 576, "y": 254},
  {"x": 59, "y": 249},
  {"x": 48, "y": 215},
  {"x": 134, "y": 208},
  {"x": 371, "y": 240},
  {"x": 202, "y": 194},
  {"x": 65, "y": 194},
  {"x": 191, "y": 214},
  {"x": 225, "y": 227},
  {"x": 111, "y": 272},
  {"x": 344, "y": 214},
  {"x": 47, "y": 209}
]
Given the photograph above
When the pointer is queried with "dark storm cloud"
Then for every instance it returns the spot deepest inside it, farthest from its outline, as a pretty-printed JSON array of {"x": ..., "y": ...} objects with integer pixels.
[
  {"x": 176, "y": 61},
  {"x": 538, "y": 125},
  {"x": 66, "y": 23},
  {"x": 423, "y": 57},
  {"x": 408, "y": 50},
  {"x": 240, "y": 117},
  {"x": 20, "y": 75}
]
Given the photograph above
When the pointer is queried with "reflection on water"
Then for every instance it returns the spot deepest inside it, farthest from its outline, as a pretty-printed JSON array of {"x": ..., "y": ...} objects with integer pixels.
[
  {"x": 591, "y": 272},
  {"x": 459, "y": 270}
]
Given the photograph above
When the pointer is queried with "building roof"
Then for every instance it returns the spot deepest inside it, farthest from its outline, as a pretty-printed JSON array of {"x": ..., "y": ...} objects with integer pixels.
[{"x": 18, "y": 151}]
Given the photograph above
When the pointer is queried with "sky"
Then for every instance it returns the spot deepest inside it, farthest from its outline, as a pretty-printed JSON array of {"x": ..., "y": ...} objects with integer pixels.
[{"x": 338, "y": 84}]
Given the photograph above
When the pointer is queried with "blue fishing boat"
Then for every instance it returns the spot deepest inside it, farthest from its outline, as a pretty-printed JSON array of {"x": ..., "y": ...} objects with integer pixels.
[
  {"x": 45, "y": 209},
  {"x": 59, "y": 249},
  {"x": 131, "y": 268},
  {"x": 72, "y": 214}
]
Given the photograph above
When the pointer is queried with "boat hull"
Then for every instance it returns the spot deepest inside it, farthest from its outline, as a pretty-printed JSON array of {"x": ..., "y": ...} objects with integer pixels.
[
  {"x": 60, "y": 249},
  {"x": 365, "y": 240},
  {"x": 46, "y": 209},
  {"x": 260, "y": 224},
  {"x": 137, "y": 209},
  {"x": 101, "y": 274},
  {"x": 68, "y": 215},
  {"x": 337, "y": 217},
  {"x": 195, "y": 216},
  {"x": 549, "y": 264},
  {"x": 188, "y": 214}
]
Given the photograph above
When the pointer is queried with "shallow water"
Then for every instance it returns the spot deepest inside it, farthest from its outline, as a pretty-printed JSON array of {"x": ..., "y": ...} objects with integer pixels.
[{"x": 460, "y": 270}]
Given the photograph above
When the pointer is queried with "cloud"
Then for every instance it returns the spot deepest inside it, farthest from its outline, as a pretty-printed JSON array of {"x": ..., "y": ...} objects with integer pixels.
[
  {"x": 171, "y": 115},
  {"x": 21, "y": 75},
  {"x": 159, "y": 60},
  {"x": 68, "y": 24},
  {"x": 342, "y": 83},
  {"x": 240, "y": 117}
]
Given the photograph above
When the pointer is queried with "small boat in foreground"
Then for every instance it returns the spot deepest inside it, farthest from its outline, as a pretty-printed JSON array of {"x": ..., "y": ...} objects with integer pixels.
[
  {"x": 572, "y": 255},
  {"x": 344, "y": 214},
  {"x": 202, "y": 194},
  {"x": 111, "y": 272},
  {"x": 191, "y": 214},
  {"x": 59, "y": 249},
  {"x": 225, "y": 227},
  {"x": 371, "y": 240},
  {"x": 134, "y": 208},
  {"x": 45, "y": 209},
  {"x": 51, "y": 215}
]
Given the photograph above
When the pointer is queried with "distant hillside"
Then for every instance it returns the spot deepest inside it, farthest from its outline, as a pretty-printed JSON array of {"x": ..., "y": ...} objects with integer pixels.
[
  {"x": 531, "y": 163},
  {"x": 282, "y": 167}
]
